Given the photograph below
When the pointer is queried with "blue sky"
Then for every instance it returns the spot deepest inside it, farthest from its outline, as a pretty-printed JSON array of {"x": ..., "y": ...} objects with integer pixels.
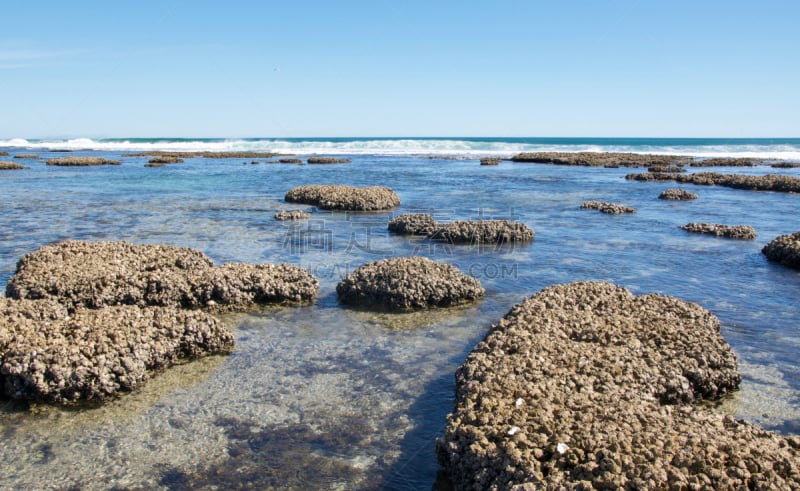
[{"x": 388, "y": 68}]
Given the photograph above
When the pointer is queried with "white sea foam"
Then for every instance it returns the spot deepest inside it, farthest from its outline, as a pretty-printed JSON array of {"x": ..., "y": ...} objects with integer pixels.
[{"x": 468, "y": 148}]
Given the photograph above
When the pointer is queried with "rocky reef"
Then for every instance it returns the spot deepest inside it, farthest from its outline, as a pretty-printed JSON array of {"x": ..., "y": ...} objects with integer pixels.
[
  {"x": 769, "y": 182},
  {"x": 81, "y": 161},
  {"x": 3, "y": 153},
  {"x": 26, "y": 156},
  {"x": 344, "y": 198},
  {"x": 677, "y": 195},
  {"x": 11, "y": 166},
  {"x": 51, "y": 355},
  {"x": 290, "y": 161},
  {"x": 606, "y": 207},
  {"x": 600, "y": 159},
  {"x": 99, "y": 274},
  {"x": 784, "y": 249},
  {"x": 327, "y": 160},
  {"x": 726, "y": 162},
  {"x": 408, "y": 283},
  {"x": 292, "y": 215},
  {"x": 413, "y": 224},
  {"x": 742, "y": 232},
  {"x": 586, "y": 386},
  {"x": 490, "y": 161},
  {"x": 483, "y": 232}
]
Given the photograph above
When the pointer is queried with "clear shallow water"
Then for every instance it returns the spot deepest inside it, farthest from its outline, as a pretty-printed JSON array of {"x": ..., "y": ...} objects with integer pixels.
[{"x": 333, "y": 398}]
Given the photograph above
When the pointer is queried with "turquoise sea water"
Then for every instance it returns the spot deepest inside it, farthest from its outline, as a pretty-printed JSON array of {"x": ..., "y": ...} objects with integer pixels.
[{"x": 327, "y": 397}]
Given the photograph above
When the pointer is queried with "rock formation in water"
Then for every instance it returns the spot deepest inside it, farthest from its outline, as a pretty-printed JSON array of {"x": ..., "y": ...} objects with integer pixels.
[
  {"x": 49, "y": 354},
  {"x": 605, "y": 207},
  {"x": 292, "y": 215},
  {"x": 785, "y": 250},
  {"x": 742, "y": 232},
  {"x": 586, "y": 386},
  {"x": 677, "y": 195},
  {"x": 344, "y": 198},
  {"x": 408, "y": 283},
  {"x": 413, "y": 224},
  {"x": 98, "y": 274},
  {"x": 483, "y": 232}
]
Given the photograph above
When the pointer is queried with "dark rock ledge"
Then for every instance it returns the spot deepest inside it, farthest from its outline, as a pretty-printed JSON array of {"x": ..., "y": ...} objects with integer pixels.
[{"x": 586, "y": 386}]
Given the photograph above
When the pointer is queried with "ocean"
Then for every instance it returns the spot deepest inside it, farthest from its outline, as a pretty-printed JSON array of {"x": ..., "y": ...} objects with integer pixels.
[{"x": 327, "y": 397}]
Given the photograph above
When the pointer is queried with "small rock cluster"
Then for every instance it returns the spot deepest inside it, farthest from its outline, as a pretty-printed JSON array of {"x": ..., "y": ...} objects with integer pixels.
[
  {"x": 26, "y": 156},
  {"x": 91, "y": 355},
  {"x": 586, "y": 386},
  {"x": 344, "y": 198},
  {"x": 677, "y": 195},
  {"x": 292, "y": 215},
  {"x": 606, "y": 207},
  {"x": 100, "y": 274},
  {"x": 490, "y": 161},
  {"x": 408, "y": 283},
  {"x": 785, "y": 250},
  {"x": 290, "y": 161},
  {"x": 742, "y": 232},
  {"x": 165, "y": 159},
  {"x": 726, "y": 162}
]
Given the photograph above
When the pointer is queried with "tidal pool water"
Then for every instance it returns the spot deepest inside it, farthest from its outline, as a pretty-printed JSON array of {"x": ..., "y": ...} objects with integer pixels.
[{"x": 328, "y": 397}]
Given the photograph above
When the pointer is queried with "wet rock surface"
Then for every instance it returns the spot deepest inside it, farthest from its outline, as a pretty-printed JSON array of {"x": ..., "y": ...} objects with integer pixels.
[
  {"x": 785, "y": 250},
  {"x": 586, "y": 386},
  {"x": 292, "y": 215},
  {"x": 742, "y": 232},
  {"x": 413, "y": 224},
  {"x": 677, "y": 195},
  {"x": 344, "y": 198},
  {"x": 606, "y": 207},
  {"x": 408, "y": 283},
  {"x": 165, "y": 159},
  {"x": 483, "y": 232},
  {"x": 26, "y": 156},
  {"x": 490, "y": 161},
  {"x": 99, "y": 274},
  {"x": 92, "y": 355}
]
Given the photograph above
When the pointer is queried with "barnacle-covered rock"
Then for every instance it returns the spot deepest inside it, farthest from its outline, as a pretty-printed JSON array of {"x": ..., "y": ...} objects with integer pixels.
[
  {"x": 344, "y": 198},
  {"x": 98, "y": 274},
  {"x": 742, "y": 232},
  {"x": 785, "y": 250},
  {"x": 586, "y": 386},
  {"x": 408, "y": 283}
]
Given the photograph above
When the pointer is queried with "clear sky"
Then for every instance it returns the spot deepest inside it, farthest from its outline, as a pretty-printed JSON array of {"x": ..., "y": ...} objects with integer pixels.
[{"x": 178, "y": 68}]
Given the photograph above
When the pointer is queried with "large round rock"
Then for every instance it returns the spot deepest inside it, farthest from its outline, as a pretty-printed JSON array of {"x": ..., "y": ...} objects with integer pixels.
[
  {"x": 344, "y": 198},
  {"x": 99, "y": 274},
  {"x": 784, "y": 249},
  {"x": 483, "y": 232},
  {"x": 408, "y": 283},
  {"x": 586, "y": 386},
  {"x": 92, "y": 355}
]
